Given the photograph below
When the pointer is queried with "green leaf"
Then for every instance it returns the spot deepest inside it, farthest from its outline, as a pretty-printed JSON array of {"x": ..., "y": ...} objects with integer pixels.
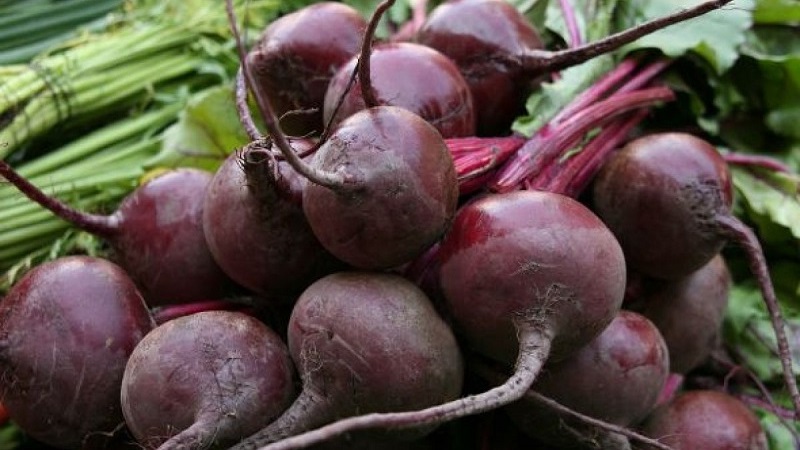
[
  {"x": 777, "y": 11},
  {"x": 208, "y": 129},
  {"x": 772, "y": 201},
  {"x": 715, "y": 36}
]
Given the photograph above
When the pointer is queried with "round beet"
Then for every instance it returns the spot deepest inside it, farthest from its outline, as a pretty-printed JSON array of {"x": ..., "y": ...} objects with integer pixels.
[
  {"x": 411, "y": 76},
  {"x": 298, "y": 54},
  {"x": 473, "y": 33},
  {"x": 403, "y": 193},
  {"x": 365, "y": 342},
  {"x": 667, "y": 197},
  {"x": 616, "y": 378},
  {"x": 255, "y": 227},
  {"x": 205, "y": 381},
  {"x": 706, "y": 420},
  {"x": 156, "y": 234},
  {"x": 66, "y": 331},
  {"x": 688, "y": 312}
]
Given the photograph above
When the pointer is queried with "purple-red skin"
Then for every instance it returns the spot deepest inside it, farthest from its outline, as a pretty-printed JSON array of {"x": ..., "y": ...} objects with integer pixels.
[
  {"x": 688, "y": 312},
  {"x": 706, "y": 420},
  {"x": 404, "y": 193},
  {"x": 526, "y": 253},
  {"x": 661, "y": 195},
  {"x": 298, "y": 54},
  {"x": 67, "y": 329},
  {"x": 366, "y": 342},
  {"x": 479, "y": 36},
  {"x": 411, "y": 76},
  {"x": 222, "y": 373},
  {"x": 617, "y": 378},
  {"x": 256, "y": 229},
  {"x": 160, "y": 241}
]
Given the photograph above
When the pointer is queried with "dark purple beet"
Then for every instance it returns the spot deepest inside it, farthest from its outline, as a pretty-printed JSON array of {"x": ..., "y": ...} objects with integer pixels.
[
  {"x": 403, "y": 193},
  {"x": 501, "y": 56},
  {"x": 484, "y": 30},
  {"x": 616, "y": 378},
  {"x": 411, "y": 76},
  {"x": 706, "y": 420},
  {"x": 510, "y": 256},
  {"x": 365, "y": 342},
  {"x": 667, "y": 197},
  {"x": 67, "y": 329},
  {"x": 156, "y": 235},
  {"x": 688, "y": 312},
  {"x": 206, "y": 380},
  {"x": 255, "y": 227},
  {"x": 298, "y": 54},
  {"x": 661, "y": 190}
]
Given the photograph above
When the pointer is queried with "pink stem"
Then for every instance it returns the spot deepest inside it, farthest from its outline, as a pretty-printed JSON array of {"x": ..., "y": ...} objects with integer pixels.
[
  {"x": 419, "y": 14},
  {"x": 764, "y": 162},
  {"x": 572, "y": 177},
  {"x": 166, "y": 313},
  {"x": 575, "y": 39},
  {"x": 536, "y": 154}
]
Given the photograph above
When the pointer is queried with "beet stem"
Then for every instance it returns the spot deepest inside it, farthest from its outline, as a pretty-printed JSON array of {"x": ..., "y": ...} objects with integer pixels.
[
  {"x": 740, "y": 233},
  {"x": 330, "y": 180},
  {"x": 539, "y": 152},
  {"x": 535, "y": 341},
  {"x": 764, "y": 162},
  {"x": 245, "y": 117},
  {"x": 367, "y": 91},
  {"x": 538, "y": 61},
  {"x": 96, "y": 224}
]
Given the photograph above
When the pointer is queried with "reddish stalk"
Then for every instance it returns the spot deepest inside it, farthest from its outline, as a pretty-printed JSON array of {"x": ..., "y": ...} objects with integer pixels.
[
  {"x": 539, "y": 152},
  {"x": 574, "y": 31},
  {"x": 367, "y": 91},
  {"x": 760, "y": 161}
]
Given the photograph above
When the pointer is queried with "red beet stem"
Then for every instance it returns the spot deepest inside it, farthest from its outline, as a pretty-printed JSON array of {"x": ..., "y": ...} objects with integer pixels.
[
  {"x": 536, "y": 154},
  {"x": 367, "y": 91},
  {"x": 99, "y": 225}
]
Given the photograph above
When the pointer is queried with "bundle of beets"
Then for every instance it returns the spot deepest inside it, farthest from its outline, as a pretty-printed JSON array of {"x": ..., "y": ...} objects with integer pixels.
[{"x": 388, "y": 259}]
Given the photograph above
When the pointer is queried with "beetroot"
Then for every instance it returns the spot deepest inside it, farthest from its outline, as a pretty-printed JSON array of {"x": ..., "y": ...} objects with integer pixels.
[
  {"x": 688, "y": 312},
  {"x": 298, "y": 54},
  {"x": 66, "y": 331},
  {"x": 411, "y": 76},
  {"x": 156, "y": 234},
  {"x": 501, "y": 56},
  {"x": 365, "y": 342},
  {"x": 205, "y": 381},
  {"x": 255, "y": 227},
  {"x": 706, "y": 420},
  {"x": 667, "y": 198},
  {"x": 616, "y": 378}
]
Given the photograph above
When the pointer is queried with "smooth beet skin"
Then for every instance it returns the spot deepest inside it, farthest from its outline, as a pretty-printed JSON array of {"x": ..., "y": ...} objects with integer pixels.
[
  {"x": 66, "y": 331},
  {"x": 205, "y": 381},
  {"x": 617, "y": 378},
  {"x": 524, "y": 254},
  {"x": 298, "y": 54},
  {"x": 478, "y": 35},
  {"x": 688, "y": 312},
  {"x": 403, "y": 190},
  {"x": 706, "y": 420},
  {"x": 661, "y": 196},
  {"x": 411, "y": 76}
]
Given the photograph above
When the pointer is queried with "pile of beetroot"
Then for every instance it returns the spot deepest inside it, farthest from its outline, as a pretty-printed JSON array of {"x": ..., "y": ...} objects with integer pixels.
[{"x": 388, "y": 267}]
